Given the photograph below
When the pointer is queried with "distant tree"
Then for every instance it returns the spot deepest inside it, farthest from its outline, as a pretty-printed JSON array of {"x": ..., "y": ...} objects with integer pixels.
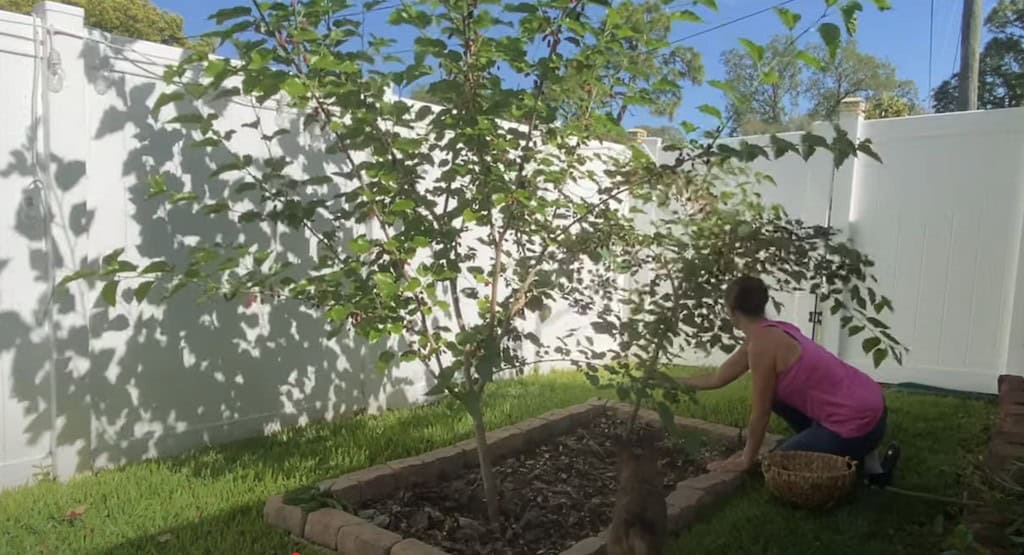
[
  {"x": 1001, "y": 69},
  {"x": 763, "y": 105},
  {"x": 855, "y": 73},
  {"x": 137, "y": 19},
  {"x": 799, "y": 94},
  {"x": 891, "y": 106}
]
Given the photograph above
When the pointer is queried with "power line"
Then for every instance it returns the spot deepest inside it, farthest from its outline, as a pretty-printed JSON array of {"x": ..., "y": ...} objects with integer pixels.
[
  {"x": 931, "y": 45},
  {"x": 702, "y": 32},
  {"x": 365, "y": 11},
  {"x": 732, "y": 21},
  {"x": 956, "y": 51}
]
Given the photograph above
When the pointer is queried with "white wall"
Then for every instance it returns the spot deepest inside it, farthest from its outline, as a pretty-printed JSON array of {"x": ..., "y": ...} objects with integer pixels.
[
  {"x": 942, "y": 218},
  {"x": 25, "y": 424},
  {"x": 97, "y": 387}
]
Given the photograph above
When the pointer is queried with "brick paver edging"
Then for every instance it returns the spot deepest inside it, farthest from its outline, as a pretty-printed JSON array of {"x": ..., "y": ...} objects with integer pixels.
[
  {"x": 1006, "y": 446},
  {"x": 350, "y": 535}
]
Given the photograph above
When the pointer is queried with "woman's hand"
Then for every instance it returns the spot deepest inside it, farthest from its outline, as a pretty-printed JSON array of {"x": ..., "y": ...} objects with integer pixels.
[{"x": 735, "y": 463}]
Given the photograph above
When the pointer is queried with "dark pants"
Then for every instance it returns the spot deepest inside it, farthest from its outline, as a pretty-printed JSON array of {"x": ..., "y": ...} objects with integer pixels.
[{"x": 812, "y": 436}]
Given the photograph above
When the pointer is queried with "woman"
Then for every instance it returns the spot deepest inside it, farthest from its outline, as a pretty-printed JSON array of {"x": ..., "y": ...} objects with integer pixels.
[{"x": 831, "y": 406}]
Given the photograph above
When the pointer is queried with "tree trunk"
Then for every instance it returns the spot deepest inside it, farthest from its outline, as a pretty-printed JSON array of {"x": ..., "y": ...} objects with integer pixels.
[
  {"x": 631, "y": 422},
  {"x": 486, "y": 470}
]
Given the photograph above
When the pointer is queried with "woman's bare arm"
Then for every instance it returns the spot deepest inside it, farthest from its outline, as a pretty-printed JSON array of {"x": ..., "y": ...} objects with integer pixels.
[
  {"x": 762, "y": 369},
  {"x": 734, "y": 367}
]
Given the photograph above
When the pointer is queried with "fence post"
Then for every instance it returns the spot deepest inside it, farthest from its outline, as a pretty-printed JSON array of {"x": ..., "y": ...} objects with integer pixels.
[
  {"x": 844, "y": 179},
  {"x": 63, "y": 127},
  {"x": 1013, "y": 362}
]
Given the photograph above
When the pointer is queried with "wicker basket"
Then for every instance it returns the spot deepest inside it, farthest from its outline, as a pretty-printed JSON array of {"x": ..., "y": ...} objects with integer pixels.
[{"x": 809, "y": 480}]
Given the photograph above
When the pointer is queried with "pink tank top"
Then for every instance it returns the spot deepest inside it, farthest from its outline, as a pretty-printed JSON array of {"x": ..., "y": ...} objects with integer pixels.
[{"x": 829, "y": 391}]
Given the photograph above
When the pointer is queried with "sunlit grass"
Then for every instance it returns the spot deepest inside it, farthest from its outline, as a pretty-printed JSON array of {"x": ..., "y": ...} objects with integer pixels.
[{"x": 210, "y": 501}]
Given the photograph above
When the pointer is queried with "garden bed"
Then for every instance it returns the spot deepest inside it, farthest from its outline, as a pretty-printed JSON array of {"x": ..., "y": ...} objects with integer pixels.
[
  {"x": 553, "y": 496},
  {"x": 558, "y": 475}
]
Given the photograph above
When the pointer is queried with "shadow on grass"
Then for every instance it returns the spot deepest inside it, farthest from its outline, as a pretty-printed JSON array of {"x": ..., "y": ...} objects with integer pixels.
[{"x": 238, "y": 531}]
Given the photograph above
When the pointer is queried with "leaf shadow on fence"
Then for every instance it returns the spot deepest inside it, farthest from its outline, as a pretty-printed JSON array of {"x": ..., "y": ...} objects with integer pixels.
[{"x": 137, "y": 381}]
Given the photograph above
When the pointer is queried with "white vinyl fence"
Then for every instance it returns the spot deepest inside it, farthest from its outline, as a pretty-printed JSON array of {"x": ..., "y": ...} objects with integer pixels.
[
  {"x": 942, "y": 217},
  {"x": 85, "y": 387}
]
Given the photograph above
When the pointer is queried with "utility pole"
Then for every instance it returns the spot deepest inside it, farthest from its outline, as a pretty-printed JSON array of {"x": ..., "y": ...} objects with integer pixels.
[{"x": 970, "y": 56}]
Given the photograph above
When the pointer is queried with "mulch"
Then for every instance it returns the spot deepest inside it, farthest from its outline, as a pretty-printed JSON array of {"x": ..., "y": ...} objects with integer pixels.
[{"x": 552, "y": 497}]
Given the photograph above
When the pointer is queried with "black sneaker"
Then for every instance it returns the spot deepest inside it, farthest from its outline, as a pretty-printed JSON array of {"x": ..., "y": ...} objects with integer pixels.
[{"x": 889, "y": 462}]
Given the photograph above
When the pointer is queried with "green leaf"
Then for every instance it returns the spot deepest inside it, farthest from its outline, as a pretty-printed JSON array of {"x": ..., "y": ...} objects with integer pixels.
[
  {"x": 198, "y": 90},
  {"x": 412, "y": 285},
  {"x": 870, "y": 344},
  {"x": 295, "y": 87},
  {"x": 109, "y": 293},
  {"x": 879, "y": 357},
  {"x": 882, "y": 5},
  {"x": 165, "y": 99},
  {"x": 385, "y": 284},
  {"x": 157, "y": 186},
  {"x": 218, "y": 207},
  {"x": 111, "y": 258},
  {"x": 339, "y": 313},
  {"x": 75, "y": 276},
  {"x": 849, "y": 11},
  {"x": 221, "y": 17},
  {"x": 687, "y": 16},
  {"x": 788, "y": 17},
  {"x": 810, "y": 60},
  {"x": 157, "y": 267},
  {"x": 179, "y": 198},
  {"x": 832, "y": 36},
  {"x": 178, "y": 286},
  {"x": 726, "y": 88},
  {"x": 143, "y": 290},
  {"x": 360, "y": 245},
  {"x": 668, "y": 418},
  {"x": 755, "y": 50},
  {"x": 711, "y": 111},
  {"x": 403, "y": 205},
  {"x": 469, "y": 216},
  {"x": 522, "y": 7},
  {"x": 854, "y": 330}
]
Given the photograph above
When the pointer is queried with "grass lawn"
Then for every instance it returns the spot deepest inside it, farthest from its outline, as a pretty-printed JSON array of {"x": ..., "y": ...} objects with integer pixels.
[{"x": 210, "y": 502}]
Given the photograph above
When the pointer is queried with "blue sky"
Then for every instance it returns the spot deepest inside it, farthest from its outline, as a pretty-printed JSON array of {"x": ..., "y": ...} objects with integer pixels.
[{"x": 899, "y": 35}]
